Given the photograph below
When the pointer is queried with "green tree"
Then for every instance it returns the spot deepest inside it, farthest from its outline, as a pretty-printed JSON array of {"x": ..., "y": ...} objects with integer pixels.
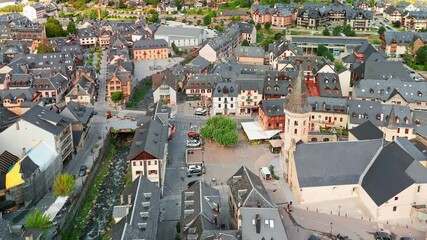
[
  {"x": 278, "y": 36},
  {"x": 45, "y": 47},
  {"x": 71, "y": 28},
  {"x": 337, "y": 30},
  {"x": 381, "y": 30},
  {"x": 326, "y": 32},
  {"x": 267, "y": 25},
  {"x": 207, "y": 20},
  {"x": 245, "y": 43},
  {"x": 199, "y": 11},
  {"x": 258, "y": 26},
  {"x": 339, "y": 65},
  {"x": 38, "y": 220},
  {"x": 154, "y": 17},
  {"x": 92, "y": 14},
  {"x": 117, "y": 96},
  {"x": 222, "y": 130},
  {"x": 348, "y": 31},
  {"x": 323, "y": 51},
  {"x": 64, "y": 184},
  {"x": 175, "y": 49},
  {"x": 421, "y": 56},
  {"x": 54, "y": 28},
  {"x": 121, "y": 5},
  {"x": 178, "y": 3},
  {"x": 104, "y": 14}
]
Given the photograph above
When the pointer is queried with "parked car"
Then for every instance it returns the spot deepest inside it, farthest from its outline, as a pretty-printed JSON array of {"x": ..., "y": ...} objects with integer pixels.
[
  {"x": 82, "y": 171},
  {"x": 200, "y": 112},
  {"x": 192, "y": 183},
  {"x": 194, "y": 170},
  {"x": 407, "y": 238},
  {"x": 193, "y": 134},
  {"x": 382, "y": 236},
  {"x": 193, "y": 143}
]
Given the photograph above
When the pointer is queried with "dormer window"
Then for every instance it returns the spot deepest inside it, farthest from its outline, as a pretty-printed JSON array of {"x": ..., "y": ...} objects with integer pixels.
[
  {"x": 417, "y": 121},
  {"x": 336, "y": 90},
  {"x": 378, "y": 116},
  {"x": 406, "y": 120},
  {"x": 354, "y": 115},
  {"x": 327, "y": 90},
  {"x": 371, "y": 91},
  {"x": 397, "y": 120},
  {"x": 419, "y": 94},
  {"x": 365, "y": 116}
]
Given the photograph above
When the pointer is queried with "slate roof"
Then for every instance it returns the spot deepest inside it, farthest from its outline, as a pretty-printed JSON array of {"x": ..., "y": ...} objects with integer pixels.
[
  {"x": 249, "y": 51},
  {"x": 245, "y": 27},
  {"x": 7, "y": 118},
  {"x": 248, "y": 190},
  {"x": 401, "y": 38},
  {"x": 13, "y": 94},
  {"x": 383, "y": 90},
  {"x": 328, "y": 40},
  {"x": 420, "y": 122},
  {"x": 150, "y": 44},
  {"x": 199, "y": 205},
  {"x": 411, "y": 149},
  {"x": 273, "y": 230},
  {"x": 366, "y": 131},
  {"x": 278, "y": 47},
  {"x": 56, "y": 82},
  {"x": 165, "y": 77},
  {"x": 383, "y": 70},
  {"x": 199, "y": 62},
  {"x": 297, "y": 100},
  {"x": 88, "y": 32},
  {"x": 273, "y": 107},
  {"x": 225, "y": 89},
  {"x": 222, "y": 40},
  {"x": 78, "y": 113},
  {"x": 283, "y": 85},
  {"x": 151, "y": 138},
  {"x": 46, "y": 119},
  {"x": 329, "y": 85},
  {"x": 323, "y": 164},
  {"x": 327, "y": 104},
  {"x": 387, "y": 175},
  {"x": 202, "y": 81},
  {"x": 145, "y": 210}
]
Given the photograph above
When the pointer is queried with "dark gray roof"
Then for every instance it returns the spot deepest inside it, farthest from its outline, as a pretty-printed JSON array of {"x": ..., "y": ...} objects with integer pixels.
[
  {"x": 273, "y": 107},
  {"x": 7, "y": 118},
  {"x": 326, "y": 104},
  {"x": 279, "y": 83},
  {"x": 297, "y": 100},
  {"x": 366, "y": 131},
  {"x": 385, "y": 89},
  {"x": 78, "y": 113},
  {"x": 150, "y": 44},
  {"x": 165, "y": 77},
  {"x": 46, "y": 119},
  {"x": 249, "y": 51},
  {"x": 387, "y": 177},
  {"x": 199, "y": 204},
  {"x": 144, "y": 210},
  {"x": 273, "y": 230},
  {"x": 151, "y": 138},
  {"x": 225, "y": 89},
  {"x": 328, "y": 40},
  {"x": 199, "y": 62},
  {"x": 411, "y": 149},
  {"x": 420, "y": 122},
  {"x": 247, "y": 188},
  {"x": 383, "y": 70},
  {"x": 329, "y": 85},
  {"x": 323, "y": 164},
  {"x": 28, "y": 167},
  {"x": 401, "y": 38}
]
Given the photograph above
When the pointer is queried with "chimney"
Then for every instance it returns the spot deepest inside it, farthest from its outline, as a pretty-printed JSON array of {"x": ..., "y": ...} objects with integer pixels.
[
  {"x": 258, "y": 224},
  {"x": 24, "y": 152},
  {"x": 121, "y": 199},
  {"x": 216, "y": 219},
  {"x": 130, "y": 199},
  {"x": 29, "y": 236},
  {"x": 382, "y": 117}
]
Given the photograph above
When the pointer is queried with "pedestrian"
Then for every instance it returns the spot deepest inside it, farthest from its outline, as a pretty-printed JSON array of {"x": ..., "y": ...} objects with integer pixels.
[{"x": 182, "y": 178}]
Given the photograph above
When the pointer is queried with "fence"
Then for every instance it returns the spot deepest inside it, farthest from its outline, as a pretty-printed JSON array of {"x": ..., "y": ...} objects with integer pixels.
[{"x": 83, "y": 191}]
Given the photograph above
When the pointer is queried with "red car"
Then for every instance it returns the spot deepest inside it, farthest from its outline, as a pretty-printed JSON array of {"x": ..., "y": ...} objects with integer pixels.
[{"x": 193, "y": 135}]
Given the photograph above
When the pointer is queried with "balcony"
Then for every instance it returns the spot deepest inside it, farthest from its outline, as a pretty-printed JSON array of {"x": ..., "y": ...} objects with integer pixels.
[{"x": 249, "y": 100}]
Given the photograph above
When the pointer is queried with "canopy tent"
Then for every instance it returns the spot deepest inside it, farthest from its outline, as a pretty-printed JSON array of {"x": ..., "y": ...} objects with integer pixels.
[
  {"x": 14, "y": 176},
  {"x": 254, "y": 131},
  {"x": 53, "y": 210}
]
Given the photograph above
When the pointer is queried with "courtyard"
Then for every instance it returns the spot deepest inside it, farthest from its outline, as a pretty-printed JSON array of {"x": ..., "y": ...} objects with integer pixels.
[{"x": 145, "y": 68}]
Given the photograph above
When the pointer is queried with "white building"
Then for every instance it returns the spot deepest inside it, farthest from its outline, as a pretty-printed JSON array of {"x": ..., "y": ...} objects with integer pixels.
[
  {"x": 222, "y": 46},
  {"x": 181, "y": 36},
  {"x": 165, "y": 87},
  {"x": 34, "y": 11},
  {"x": 224, "y": 99},
  {"x": 36, "y": 125}
]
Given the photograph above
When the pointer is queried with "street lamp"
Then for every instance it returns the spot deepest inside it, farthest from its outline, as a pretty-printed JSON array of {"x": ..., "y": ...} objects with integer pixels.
[{"x": 331, "y": 228}]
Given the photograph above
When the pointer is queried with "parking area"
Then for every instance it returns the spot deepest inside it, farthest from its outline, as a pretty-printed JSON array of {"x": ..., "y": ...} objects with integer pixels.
[{"x": 222, "y": 163}]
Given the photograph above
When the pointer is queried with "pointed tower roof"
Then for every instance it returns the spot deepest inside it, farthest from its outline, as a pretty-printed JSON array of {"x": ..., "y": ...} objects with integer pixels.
[
  {"x": 391, "y": 122},
  {"x": 297, "y": 100}
]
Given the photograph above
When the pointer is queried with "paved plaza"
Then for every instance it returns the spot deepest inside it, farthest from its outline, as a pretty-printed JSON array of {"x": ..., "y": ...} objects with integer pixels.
[{"x": 145, "y": 68}]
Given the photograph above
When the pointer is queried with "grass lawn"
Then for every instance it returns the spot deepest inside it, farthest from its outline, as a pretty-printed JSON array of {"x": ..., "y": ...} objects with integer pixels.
[
  {"x": 139, "y": 94},
  {"x": 83, "y": 213}
]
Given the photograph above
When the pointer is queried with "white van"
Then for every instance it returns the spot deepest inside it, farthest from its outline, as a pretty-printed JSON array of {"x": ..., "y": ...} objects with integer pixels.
[{"x": 265, "y": 173}]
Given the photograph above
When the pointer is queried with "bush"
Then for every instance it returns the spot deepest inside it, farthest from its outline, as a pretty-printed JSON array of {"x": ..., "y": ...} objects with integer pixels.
[
  {"x": 64, "y": 184},
  {"x": 38, "y": 220}
]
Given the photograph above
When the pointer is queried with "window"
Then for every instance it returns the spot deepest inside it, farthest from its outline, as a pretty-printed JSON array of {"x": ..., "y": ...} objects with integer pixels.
[
  {"x": 148, "y": 162},
  {"x": 340, "y": 119},
  {"x": 398, "y": 130},
  {"x": 140, "y": 163},
  {"x": 418, "y": 188},
  {"x": 396, "y": 198},
  {"x": 152, "y": 172},
  {"x": 394, "y": 209},
  {"x": 155, "y": 162},
  {"x": 138, "y": 172},
  {"x": 231, "y": 105},
  {"x": 133, "y": 163},
  {"x": 296, "y": 131},
  {"x": 406, "y": 130},
  {"x": 231, "y": 99},
  {"x": 219, "y": 105},
  {"x": 295, "y": 123},
  {"x": 219, "y": 99}
]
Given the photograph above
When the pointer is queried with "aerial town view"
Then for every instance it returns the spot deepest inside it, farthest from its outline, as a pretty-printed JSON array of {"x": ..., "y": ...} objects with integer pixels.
[{"x": 213, "y": 120}]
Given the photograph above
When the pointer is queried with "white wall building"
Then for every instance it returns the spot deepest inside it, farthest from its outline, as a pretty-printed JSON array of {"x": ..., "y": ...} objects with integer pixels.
[
  {"x": 181, "y": 36},
  {"x": 34, "y": 11}
]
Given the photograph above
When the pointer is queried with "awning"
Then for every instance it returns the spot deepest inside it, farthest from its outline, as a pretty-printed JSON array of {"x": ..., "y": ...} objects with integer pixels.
[
  {"x": 53, "y": 210},
  {"x": 254, "y": 131},
  {"x": 275, "y": 143},
  {"x": 14, "y": 177}
]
